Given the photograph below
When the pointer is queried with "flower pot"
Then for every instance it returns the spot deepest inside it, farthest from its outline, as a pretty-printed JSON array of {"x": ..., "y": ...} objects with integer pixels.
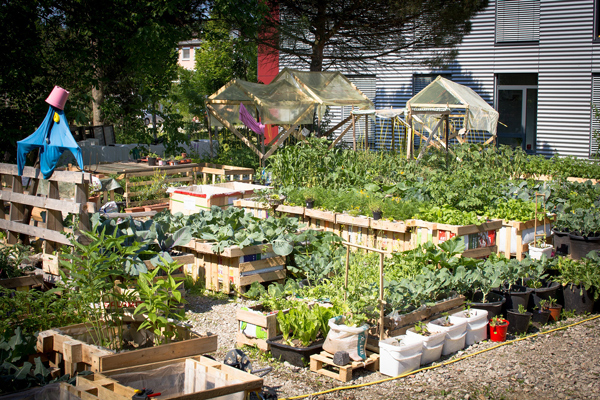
[
  {"x": 400, "y": 354},
  {"x": 540, "y": 317},
  {"x": 518, "y": 322},
  {"x": 161, "y": 162},
  {"x": 562, "y": 242},
  {"x": 493, "y": 304},
  {"x": 554, "y": 312},
  {"x": 517, "y": 295},
  {"x": 433, "y": 344},
  {"x": 582, "y": 245},
  {"x": 456, "y": 334},
  {"x": 476, "y": 325},
  {"x": 548, "y": 290},
  {"x": 310, "y": 203},
  {"x": 578, "y": 299},
  {"x": 377, "y": 215},
  {"x": 151, "y": 161},
  {"x": 536, "y": 253},
  {"x": 498, "y": 332},
  {"x": 296, "y": 356}
]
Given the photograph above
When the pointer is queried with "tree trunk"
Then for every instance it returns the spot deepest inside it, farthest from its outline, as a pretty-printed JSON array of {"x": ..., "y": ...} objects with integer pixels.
[{"x": 97, "y": 99}]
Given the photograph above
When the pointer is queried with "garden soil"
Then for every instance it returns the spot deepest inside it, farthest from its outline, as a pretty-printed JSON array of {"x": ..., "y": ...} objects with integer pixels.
[{"x": 558, "y": 365}]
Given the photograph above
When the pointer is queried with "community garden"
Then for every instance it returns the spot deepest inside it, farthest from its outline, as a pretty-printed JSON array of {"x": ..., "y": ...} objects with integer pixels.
[{"x": 352, "y": 261}]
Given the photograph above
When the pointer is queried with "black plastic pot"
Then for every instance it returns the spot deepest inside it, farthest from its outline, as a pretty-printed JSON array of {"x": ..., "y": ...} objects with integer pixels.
[
  {"x": 578, "y": 299},
  {"x": 377, "y": 215},
  {"x": 310, "y": 203},
  {"x": 550, "y": 289},
  {"x": 493, "y": 305},
  {"x": 516, "y": 295},
  {"x": 581, "y": 245},
  {"x": 518, "y": 323},
  {"x": 539, "y": 318},
  {"x": 562, "y": 242},
  {"x": 151, "y": 161},
  {"x": 294, "y": 355}
]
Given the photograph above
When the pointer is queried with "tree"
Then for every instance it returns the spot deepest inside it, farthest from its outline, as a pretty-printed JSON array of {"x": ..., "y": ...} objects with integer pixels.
[{"x": 352, "y": 34}]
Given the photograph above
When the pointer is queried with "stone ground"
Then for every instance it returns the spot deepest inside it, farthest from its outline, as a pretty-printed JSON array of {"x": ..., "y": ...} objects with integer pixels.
[{"x": 560, "y": 365}]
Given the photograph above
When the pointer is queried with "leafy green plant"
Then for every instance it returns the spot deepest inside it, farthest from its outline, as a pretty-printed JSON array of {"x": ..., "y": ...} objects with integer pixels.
[
  {"x": 522, "y": 309},
  {"x": 421, "y": 328},
  {"x": 497, "y": 321},
  {"x": 584, "y": 273},
  {"x": 304, "y": 323},
  {"x": 160, "y": 298},
  {"x": 11, "y": 258}
]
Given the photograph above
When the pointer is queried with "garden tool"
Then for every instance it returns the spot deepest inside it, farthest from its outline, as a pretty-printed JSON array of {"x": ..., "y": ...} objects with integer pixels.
[{"x": 238, "y": 359}]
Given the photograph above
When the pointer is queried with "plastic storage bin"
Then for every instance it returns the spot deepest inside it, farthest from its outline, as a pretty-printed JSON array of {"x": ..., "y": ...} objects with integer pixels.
[
  {"x": 456, "y": 334},
  {"x": 432, "y": 344},
  {"x": 476, "y": 325},
  {"x": 400, "y": 354}
]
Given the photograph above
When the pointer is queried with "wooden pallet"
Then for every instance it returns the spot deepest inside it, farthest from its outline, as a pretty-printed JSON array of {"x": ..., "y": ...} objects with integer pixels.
[
  {"x": 23, "y": 283},
  {"x": 344, "y": 373},
  {"x": 254, "y": 316}
]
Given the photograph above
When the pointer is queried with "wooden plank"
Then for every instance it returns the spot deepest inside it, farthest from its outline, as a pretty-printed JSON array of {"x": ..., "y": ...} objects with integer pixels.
[
  {"x": 318, "y": 214},
  {"x": 346, "y": 219},
  {"x": 233, "y": 251},
  {"x": 263, "y": 277},
  {"x": 481, "y": 252},
  {"x": 34, "y": 231},
  {"x": 57, "y": 176},
  {"x": 54, "y": 219},
  {"x": 41, "y": 202},
  {"x": 191, "y": 347},
  {"x": 261, "y": 264},
  {"x": 391, "y": 226},
  {"x": 290, "y": 209},
  {"x": 21, "y": 281}
]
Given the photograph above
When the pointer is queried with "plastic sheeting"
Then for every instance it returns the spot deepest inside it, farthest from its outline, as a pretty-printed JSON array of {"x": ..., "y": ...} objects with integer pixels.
[
  {"x": 442, "y": 91},
  {"x": 288, "y": 97},
  {"x": 48, "y": 392}
]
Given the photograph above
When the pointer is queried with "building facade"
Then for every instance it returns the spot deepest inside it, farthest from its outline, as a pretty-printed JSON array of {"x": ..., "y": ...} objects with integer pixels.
[{"x": 535, "y": 61}]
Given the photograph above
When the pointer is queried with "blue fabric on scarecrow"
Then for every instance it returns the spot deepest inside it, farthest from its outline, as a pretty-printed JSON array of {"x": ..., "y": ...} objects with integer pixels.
[{"x": 53, "y": 137}]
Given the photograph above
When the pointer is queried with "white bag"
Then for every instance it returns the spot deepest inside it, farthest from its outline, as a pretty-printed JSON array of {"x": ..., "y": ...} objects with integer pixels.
[{"x": 346, "y": 338}]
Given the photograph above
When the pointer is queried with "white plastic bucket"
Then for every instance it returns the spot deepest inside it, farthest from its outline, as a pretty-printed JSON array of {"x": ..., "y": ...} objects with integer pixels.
[
  {"x": 399, "y": 354},
  {"x": 477, "y": 324},
  {"x": 456, "y": 334},
  {"x": 432, "y": 344}
]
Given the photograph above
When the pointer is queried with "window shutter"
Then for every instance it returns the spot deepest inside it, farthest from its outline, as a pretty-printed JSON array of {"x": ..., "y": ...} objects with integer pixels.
[{"x": 517, "y": 21}]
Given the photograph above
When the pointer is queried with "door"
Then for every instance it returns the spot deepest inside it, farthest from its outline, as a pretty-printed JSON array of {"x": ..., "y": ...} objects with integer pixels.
[{"x": 517, "y": 106}]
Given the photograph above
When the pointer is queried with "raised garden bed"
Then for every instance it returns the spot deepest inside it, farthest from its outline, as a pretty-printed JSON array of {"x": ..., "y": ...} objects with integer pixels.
[
  {"x": 514, "y": 236},
  {"x": 240, "y": 267},
  {"x": 255, "y": 327},
  {"x": 74, "y": 345}
]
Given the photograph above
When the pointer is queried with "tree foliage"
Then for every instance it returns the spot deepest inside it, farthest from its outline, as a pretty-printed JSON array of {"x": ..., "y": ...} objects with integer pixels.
[
  {"x": 349, "y": 34},
  {"x": 125, "y": 50}
]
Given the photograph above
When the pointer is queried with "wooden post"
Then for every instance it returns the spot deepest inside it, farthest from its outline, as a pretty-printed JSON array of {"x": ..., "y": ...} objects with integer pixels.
[
  {"x": 16, "y": 210},
  {"x": 53, "y": 217},
  {"x": 393, "y": 133},
  {"x": 366, "y": 132},
  {"x": 210, "y": 135},
  {"x": 81, "y": 196},
  {"x": 353, "y": 131},
  {"x": 381, "y": 301},
  {"x": 347, "y": 268},
  {"x": 447, "y": 132}
]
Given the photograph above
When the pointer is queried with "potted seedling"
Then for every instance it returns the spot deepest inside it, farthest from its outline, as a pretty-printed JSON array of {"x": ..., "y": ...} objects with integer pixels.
[
  {"x": 456, "y": 332},
  {"x": 375, "y": 206},
  {"x": 152, "y": 158},
  {"x": 498, "y": 328},
  {"x": 540, "y": 248},
  {"x": 309, "y": 197},
  {"x": 554, "y": 308},
  {"x": 540, "y": 314},
  {"x": 433, "y": 341},
  {"x": 518, "y": 320},
  {"x": 476, "y": 324}
]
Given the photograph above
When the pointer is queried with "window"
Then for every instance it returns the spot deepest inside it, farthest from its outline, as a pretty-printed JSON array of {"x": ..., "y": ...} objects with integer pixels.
[
  {"x": 517, "y": 21},
  {"x": 597, "y": 20},
  {"x": 595, "y": 131},
  {"x": 185, "y": 53},
  {"x": 420, "y": 81}
]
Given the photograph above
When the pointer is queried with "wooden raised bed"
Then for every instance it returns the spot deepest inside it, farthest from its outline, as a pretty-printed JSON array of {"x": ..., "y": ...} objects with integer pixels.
[
  {"x": 255, "y": 318},
  {"x": 355, "y": 229},
  {"x": 518, "y": 230},
  {"x": 72, "y": 344},
  {"x": 321, "y": 219},
  {"x": 240, "y": 267},
  {"x": 391, "y": 235},
  {"x": 200, "y": 381},
  {"x": 257, "y": 209}
]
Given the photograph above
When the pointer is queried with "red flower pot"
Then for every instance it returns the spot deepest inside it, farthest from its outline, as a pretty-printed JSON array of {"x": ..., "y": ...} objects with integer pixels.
[{"x": 498, "y": 332}]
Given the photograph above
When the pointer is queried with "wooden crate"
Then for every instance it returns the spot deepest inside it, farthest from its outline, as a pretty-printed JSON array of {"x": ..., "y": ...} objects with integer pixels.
[
  {"x": 391, "y": 236},
  {"x": 23, "y": 283},
  {"x": 267, "y": 323},
  {"x": 355, "y": 230},
  {"x": 323, "y": 364},
  {"x": 514, "y": 231},
  {"x": 201, "y": 375},
  {"x": 72, "y": 344},
  {"x": 240, "y": 267},
  {"x": 479, "y": 240},
  {"x": 321, "y": 219},
  {"x": 257, "y": 209},
  {"x": 291, "y": 211},
  {"x": 51, "y": 263}
]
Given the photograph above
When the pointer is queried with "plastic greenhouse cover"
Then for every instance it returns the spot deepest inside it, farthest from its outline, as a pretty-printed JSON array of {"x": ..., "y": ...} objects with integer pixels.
[
  {"x": 171, "y": 380},
  {"x": 482, "y": 116},
  {"x": 48, "y": 392},
  {"x": 288, "y": 97}
]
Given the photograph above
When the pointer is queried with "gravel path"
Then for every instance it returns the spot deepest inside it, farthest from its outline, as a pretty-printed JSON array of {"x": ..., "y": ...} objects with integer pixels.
[{"x": 559, "y": 365}]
